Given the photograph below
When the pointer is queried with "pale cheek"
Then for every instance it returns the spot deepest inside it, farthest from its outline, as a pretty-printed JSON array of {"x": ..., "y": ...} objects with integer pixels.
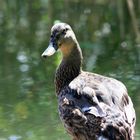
[
  {"x": 66, "y": 49},
  {"x": 70, "y": 35}
]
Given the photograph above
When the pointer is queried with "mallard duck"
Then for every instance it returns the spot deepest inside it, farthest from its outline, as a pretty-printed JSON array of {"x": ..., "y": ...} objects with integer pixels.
[{"x": 91, "y": 106}]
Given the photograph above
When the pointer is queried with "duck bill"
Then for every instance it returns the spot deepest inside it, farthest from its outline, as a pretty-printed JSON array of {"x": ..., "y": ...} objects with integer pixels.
[{"x": 49, "y": 51}]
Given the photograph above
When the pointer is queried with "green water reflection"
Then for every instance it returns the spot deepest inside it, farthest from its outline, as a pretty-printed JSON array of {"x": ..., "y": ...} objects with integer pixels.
[{"x": 28, "y": 105}]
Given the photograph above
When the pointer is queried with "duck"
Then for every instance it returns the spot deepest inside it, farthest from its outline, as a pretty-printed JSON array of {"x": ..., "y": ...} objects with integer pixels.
[{"x": 91, "y": 106}]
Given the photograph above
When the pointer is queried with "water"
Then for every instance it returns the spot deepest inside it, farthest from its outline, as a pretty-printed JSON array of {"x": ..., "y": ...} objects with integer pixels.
[{"x": 28, "y": 105}]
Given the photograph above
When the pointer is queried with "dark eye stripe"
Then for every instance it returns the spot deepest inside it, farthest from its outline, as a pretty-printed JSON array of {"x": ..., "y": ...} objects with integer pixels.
[
  {"x": 64, "y": 30},
  {"x": 56, "y": 35}
]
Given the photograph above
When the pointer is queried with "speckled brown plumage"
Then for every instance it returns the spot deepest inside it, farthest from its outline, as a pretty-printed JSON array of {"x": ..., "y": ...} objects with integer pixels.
[
  {"x": 91, "y": 106},
  {"x": 67, "y": 70}
]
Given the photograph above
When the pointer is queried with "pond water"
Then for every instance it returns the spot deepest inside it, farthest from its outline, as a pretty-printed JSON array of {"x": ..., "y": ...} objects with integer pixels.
[{"x": 28, "y": 105}]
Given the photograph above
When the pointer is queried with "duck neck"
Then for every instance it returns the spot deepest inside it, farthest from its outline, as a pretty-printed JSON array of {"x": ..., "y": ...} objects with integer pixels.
[{"x": 69, "y": 68}]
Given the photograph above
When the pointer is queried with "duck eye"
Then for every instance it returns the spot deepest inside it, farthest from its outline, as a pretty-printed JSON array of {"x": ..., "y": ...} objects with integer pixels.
[{"x": 64, "y": 30}]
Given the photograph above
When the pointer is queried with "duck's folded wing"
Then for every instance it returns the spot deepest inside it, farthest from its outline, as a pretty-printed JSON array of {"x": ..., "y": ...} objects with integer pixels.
[{"x": 103, "y": 95}]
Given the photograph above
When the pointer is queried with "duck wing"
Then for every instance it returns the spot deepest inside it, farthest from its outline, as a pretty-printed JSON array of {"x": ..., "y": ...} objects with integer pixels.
[
  {"x": 93, "y": 103},
  {"x": 102, "y": 93}
]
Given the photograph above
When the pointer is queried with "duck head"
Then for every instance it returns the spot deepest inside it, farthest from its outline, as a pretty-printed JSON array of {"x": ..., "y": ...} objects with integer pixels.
[{"x": 62, "y": 37}]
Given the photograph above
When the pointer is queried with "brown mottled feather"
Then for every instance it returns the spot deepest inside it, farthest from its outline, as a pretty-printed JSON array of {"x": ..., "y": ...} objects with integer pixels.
[{"x": 91, "y": 106}]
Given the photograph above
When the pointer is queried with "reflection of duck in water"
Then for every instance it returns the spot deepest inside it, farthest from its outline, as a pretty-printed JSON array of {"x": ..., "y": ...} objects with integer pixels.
[{"x": 91, "y": 106}]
